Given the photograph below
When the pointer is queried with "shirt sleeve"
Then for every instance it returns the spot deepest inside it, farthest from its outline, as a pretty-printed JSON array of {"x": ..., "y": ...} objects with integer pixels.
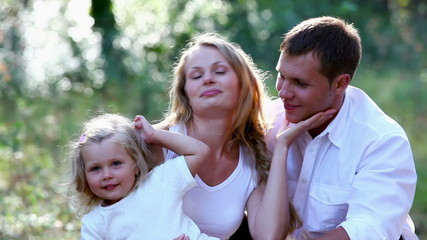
[
  {"x": 383, "y": 190},
  {"x": 89, "y": 231},
  {"x": 175, "y": 174}
]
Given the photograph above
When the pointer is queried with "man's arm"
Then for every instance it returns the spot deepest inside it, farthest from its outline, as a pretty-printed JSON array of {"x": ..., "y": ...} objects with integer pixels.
[{"x": 383, "y": 189}]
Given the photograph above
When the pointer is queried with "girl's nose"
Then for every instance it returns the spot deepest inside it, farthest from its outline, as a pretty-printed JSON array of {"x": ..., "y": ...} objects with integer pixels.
[{"x": 107, "y": 174}]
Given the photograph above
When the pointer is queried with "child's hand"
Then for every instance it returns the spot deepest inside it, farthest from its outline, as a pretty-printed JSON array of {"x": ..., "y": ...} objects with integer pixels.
[
  {"x": 287, "y": 135},
  {"x": 144, "y": 127},
  {"x": 182, "y": 237}
]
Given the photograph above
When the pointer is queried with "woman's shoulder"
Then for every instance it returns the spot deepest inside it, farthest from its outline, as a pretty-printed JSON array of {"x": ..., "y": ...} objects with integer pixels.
[{"x": 179, "y": 128}]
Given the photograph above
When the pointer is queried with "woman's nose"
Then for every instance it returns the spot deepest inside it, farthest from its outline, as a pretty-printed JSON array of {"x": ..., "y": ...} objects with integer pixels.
[{"x": 208, "y": 77}]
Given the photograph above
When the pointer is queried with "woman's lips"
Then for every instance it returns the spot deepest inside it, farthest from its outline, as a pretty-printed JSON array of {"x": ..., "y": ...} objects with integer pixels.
[{"x": 210, "y": 93}]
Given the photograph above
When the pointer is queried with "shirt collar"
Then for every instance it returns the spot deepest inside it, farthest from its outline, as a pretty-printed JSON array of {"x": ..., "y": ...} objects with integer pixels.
[{"x": 334, "y": 131}]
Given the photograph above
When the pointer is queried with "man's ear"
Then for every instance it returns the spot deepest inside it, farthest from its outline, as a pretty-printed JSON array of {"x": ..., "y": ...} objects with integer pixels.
[{"x": 341, "y": 83}]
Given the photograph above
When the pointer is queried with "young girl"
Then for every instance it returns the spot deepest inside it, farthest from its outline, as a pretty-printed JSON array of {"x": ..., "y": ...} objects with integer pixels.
[{"x": 123, "y": 192}]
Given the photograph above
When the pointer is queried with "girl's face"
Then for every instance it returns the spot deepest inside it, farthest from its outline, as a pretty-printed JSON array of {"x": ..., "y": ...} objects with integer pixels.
[
  {"x": 109, "y": 169},
  {"x": 211, "y": 83}
]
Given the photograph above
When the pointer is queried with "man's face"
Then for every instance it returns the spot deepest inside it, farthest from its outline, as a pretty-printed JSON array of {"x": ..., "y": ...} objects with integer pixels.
[{"x": 302, "y": 88}]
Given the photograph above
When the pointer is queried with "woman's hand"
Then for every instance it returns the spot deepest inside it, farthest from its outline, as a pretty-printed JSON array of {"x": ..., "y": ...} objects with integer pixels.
[{"x": 287, "y": 134}]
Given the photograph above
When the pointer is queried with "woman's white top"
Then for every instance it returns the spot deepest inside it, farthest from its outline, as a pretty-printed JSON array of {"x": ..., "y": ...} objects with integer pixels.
[{"x": 219, "y": 210}]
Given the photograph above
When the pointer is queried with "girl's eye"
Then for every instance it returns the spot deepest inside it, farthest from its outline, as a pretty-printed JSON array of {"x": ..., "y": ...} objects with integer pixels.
[
  {"x": 117, "y": 163},
  {"x": 94, "y": 169}
]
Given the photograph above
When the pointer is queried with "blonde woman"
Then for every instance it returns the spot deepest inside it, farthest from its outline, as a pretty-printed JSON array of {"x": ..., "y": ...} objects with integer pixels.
[{"x": 217, "y": 97}]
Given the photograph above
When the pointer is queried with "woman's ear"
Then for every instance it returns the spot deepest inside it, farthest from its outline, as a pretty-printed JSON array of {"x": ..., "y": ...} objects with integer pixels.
[{"x": 341, "y": 83}]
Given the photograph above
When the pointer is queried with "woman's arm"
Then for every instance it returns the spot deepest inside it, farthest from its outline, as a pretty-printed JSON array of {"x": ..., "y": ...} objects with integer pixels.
[{"x": 268, "y": 205}]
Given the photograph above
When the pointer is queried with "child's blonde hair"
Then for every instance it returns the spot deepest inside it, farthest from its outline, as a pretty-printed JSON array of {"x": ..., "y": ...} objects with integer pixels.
[{"x": 118, "y": 129}]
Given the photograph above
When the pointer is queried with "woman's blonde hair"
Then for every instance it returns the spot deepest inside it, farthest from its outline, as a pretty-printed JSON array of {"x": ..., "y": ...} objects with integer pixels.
[
  {"x": 249, "y": 124},
  {"x": 113, "y": 127}
]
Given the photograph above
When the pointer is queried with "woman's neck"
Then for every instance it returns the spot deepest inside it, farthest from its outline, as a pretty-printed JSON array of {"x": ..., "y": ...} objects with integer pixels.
[{"x": 216, "y": 133}]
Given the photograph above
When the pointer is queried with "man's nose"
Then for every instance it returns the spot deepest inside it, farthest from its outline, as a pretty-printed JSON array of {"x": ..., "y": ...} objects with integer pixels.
[{"x": 285, "y": 90}]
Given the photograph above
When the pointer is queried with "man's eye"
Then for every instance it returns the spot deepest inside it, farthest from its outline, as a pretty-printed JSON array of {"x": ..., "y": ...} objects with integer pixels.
[{"x": 300, "y": 83}]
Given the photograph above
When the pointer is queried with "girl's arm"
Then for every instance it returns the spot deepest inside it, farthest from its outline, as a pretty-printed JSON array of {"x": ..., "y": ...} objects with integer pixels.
[
  {"x": 193, "y": 150},
  {"x": 268, "y": 205}
]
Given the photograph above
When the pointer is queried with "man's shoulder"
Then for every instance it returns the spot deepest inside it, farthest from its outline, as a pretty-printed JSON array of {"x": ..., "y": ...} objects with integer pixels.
[
  {"x": 365, "y": 115},
  {"x": 363, "y": 108}
]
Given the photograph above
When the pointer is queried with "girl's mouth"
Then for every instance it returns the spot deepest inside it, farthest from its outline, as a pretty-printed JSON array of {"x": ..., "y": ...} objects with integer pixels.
[{"x": 109, "y": 187}]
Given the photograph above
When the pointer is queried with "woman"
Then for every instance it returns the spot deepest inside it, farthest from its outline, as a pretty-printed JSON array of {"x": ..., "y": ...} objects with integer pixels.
[{"x": 217, "y": 97}]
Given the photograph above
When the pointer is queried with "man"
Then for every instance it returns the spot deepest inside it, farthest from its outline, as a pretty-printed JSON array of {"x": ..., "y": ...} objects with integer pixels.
[{"x": 354, "y": 176}]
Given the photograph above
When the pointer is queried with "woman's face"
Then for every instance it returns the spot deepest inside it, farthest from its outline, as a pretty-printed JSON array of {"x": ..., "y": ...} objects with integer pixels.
[{"x": 212, "y": 85}]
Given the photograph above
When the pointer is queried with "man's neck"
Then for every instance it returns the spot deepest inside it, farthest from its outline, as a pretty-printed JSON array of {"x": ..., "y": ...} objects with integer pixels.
[{"x": 316, "y": 131}]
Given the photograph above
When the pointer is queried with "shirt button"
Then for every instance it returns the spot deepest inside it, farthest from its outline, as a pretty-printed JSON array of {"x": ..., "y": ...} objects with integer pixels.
[{"x": 304, "y": 181}]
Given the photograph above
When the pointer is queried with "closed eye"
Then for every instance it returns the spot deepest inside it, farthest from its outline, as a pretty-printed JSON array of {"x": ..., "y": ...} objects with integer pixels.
[
  {"x": 196, "y": 76},
  {"x": 194, "y": 73},
  {"x": 301, "y": 83},
  {"x": 220, "y": 70}
]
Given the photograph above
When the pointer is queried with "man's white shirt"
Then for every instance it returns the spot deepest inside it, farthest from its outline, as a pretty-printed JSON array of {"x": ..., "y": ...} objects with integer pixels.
[{"x": 358, "y": 173}]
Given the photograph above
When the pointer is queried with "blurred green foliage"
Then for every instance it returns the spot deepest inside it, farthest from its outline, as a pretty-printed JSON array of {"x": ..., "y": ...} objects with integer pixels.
[{"x": 60, "y": 61}]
